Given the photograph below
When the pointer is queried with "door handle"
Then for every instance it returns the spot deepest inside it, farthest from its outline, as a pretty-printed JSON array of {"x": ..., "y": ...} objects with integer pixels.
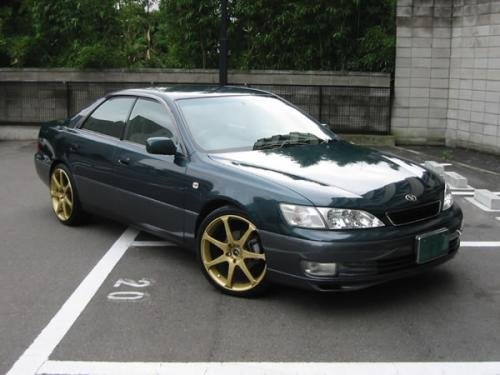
[{"x": 125, "y": 161}]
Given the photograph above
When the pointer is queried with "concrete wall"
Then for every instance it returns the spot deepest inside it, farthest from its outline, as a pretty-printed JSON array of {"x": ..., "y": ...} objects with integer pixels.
[
  {"x": 474, "y": 88},
  {"x": 447, "y": 79},
  {"x": 422, "y": 70},
  {"x": 349, "y": 102}
]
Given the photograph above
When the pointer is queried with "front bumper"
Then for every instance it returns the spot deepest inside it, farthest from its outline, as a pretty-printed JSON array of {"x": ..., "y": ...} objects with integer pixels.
[{"x": 363, "y": 258}]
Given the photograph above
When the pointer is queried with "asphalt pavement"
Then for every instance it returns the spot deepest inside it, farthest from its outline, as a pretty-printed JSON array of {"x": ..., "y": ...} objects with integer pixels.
[{"x": 156, "y": 306}]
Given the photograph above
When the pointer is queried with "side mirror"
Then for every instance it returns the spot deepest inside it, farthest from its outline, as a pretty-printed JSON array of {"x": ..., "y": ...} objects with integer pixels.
[
  {"x": 325, "y": 125},
  {"x": 161, "y": 146}
]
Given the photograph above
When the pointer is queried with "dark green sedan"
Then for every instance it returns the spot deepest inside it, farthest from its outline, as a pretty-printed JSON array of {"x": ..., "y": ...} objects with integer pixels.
[{"x": 260, "y": 190}]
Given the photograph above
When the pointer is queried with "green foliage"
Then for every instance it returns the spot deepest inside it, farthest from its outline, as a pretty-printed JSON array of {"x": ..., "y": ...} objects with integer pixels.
[
  {"x": 97, "y": 56},
  {"x": 191, "y": 32},
  {"x": 139, "y": 27},
  {"x": 17, "y": 45},
  {"x": 68, "y": 28},
  {"x": 263, "y": 34},
  {"x": 320, "y": 34}
]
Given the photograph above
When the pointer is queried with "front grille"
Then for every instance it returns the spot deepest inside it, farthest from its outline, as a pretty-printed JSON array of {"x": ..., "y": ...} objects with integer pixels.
[{"x": 411, "y": 215}]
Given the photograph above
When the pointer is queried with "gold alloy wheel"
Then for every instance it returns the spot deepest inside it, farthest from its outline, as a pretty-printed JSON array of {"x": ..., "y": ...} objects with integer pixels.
[
  {"x": 61, "y": 194},
  {"x": 227, "y": 256}
]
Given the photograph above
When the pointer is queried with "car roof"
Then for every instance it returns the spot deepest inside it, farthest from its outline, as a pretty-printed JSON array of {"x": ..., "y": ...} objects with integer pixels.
[{"x": 192, "y": 91}]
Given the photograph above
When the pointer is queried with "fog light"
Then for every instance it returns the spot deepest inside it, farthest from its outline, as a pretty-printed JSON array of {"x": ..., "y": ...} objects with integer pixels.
[{"x": 319, "y": 269}]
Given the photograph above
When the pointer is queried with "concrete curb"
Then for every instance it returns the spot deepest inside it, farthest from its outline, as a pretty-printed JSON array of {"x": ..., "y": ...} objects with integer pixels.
[
  {"x": 434, "y": 166},
  {"x": 456, "y": 180},
  {"x": 369, "y": 140},
  {"x": 18, "y": 133},
  {"x": 487, "y": 198}
]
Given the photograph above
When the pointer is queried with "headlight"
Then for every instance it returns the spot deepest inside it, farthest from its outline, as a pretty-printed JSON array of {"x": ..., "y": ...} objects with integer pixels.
[
  {"x": 325, "y": 217},
  {"x": 448, "y": 198},
  {"x": 337, "y": 218},
  {"x": 302, "y": 216}
]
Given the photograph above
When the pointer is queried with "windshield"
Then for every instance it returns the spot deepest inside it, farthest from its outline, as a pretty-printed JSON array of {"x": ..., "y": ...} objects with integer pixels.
[{"x": 220, "y": 124}]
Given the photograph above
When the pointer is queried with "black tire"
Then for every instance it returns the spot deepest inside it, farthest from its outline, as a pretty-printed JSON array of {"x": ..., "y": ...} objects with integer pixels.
[
  {"x": 76, "y": 216},
  {"x": 234, "y": 213}
]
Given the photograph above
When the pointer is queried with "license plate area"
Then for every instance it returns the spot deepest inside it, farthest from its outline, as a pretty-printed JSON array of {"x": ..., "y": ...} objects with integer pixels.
[{"x": 432, "y": 245}]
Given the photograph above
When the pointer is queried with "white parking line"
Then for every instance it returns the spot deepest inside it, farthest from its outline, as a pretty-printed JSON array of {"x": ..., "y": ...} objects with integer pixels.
[
  {"x": 35, "y": 359},
  {"x": 272, "y": 368},
  {"x": 41, "y": 348},
  {"x": 479, "y": 243},
  {"x": 151, "y": 243}
]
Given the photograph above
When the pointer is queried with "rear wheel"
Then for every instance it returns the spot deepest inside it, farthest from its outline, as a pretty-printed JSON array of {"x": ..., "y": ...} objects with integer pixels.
[
  {"x": 231, "y": 254},
  {"x": 64, "y": 196}
]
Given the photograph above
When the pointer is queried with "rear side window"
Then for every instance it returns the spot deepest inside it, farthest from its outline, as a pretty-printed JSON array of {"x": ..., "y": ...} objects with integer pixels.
[
  {"x": 148, "y": 119},
  {"x": 110, "y": 117}
]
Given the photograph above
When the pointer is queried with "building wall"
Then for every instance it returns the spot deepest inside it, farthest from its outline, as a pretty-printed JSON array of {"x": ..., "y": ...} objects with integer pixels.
[
  {"x": 474, "y": 87},
  {"x": 422, "y": 70},
  {"x": 447, "y": 79}
]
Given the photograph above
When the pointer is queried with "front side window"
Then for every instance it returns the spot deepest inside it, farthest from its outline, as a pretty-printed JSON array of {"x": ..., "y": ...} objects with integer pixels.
[
  {"x": 249, "y": 122},
  {"x": 148, "y": 119},
  {"x": 110, "y": 117}
]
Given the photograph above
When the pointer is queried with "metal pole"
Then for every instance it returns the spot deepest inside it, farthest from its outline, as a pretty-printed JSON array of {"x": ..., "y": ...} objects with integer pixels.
[
  {"x": 68, "y": 99},
  {"x": 223, "y": 44}
]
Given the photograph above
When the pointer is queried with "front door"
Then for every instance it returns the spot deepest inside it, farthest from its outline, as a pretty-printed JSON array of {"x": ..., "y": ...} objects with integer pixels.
[{"x": 153, "y": 185}]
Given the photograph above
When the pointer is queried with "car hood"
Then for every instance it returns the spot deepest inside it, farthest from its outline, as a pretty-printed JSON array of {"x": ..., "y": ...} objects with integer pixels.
[{"x": 341, "y": 174}]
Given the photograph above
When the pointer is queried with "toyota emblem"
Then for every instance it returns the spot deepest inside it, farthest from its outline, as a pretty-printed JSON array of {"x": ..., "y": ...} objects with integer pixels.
[{"x": 410, "y": 197}]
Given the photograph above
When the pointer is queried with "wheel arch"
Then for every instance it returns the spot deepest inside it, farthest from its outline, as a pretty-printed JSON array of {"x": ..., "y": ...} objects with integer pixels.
[
  {"x": 55, "y": 163},
  {"x": 213, "y": 205}
]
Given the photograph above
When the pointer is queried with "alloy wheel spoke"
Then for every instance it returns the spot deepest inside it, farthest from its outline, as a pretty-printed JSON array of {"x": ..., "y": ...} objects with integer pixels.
[
  {"x": 221, "y": 245},
  {"x": 61, "y": 179},
  {"x": 227, "y": 228},
  {"x": 68, "y": 202},
  {"x": 55, "y": 182},
  {"x": 230, "y": 274},
  {"x": 59, "y": 206},
  {"x": 251, "y": 255},
  {"x": 246, "y": 271},
  {"x": 244, "y": 238},
  {"x": 64, "y": 208},
  {"x": 220, "y": 259}
]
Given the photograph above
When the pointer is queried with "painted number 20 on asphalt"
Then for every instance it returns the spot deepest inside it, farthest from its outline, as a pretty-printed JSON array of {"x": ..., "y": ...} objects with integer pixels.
[{"x": 129, "y": 295}]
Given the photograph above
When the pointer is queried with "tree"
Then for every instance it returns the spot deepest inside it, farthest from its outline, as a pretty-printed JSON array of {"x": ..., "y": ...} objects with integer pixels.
[
  {"x": 263, "y": 34},
  {"x": 17, "y": 46},
  {"x": 320, "y": 34},
  {"x": 81, "y": 33},
  {"x": 190, "y": 30},
  {"x": 139, "y": 23}
]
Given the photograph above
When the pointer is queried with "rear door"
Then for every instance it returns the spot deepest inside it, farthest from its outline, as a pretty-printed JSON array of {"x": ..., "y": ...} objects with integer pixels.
[
  {"x": 153, "y": 186},
  {"x": 92, "y": 148}
]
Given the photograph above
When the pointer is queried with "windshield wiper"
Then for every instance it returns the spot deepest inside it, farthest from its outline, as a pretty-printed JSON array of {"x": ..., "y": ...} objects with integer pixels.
[
  {"x": 329, "y": 140},
  {"x": 284, "y": 140}
]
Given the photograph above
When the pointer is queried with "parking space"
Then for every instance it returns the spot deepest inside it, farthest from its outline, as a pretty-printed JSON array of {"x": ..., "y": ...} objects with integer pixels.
[{"x": 147, "y": 302}]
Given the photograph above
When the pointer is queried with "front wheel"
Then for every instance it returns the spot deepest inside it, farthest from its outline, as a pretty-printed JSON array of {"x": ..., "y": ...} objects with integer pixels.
[{"x": 231, "y": 254}]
